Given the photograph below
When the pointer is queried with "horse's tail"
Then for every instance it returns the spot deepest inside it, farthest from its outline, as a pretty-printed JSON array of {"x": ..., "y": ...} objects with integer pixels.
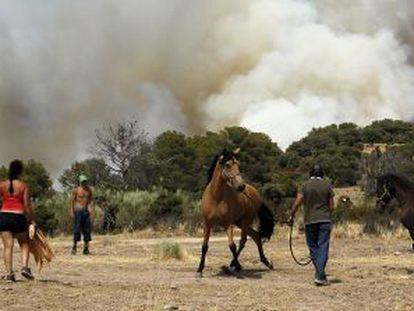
[{"x": 266, "y": 222}]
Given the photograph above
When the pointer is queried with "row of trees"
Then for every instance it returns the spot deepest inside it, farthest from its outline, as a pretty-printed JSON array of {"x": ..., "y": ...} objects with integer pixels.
[{"x": 124, "y": 159}]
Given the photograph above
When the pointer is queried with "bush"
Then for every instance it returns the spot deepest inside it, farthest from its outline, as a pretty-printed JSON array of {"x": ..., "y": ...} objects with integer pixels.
[
  {"x": 134, "y": 209},
  {"x": 343, "y": 211},
  {"x": 191, "y": 213},
  {"x": 45, "y": 218},
  {"x": 167, "y": 209},
  {"x": 52, "y": 214},
  {"x": 169, "y": 250},
  {"x": 374, "y": 221}
]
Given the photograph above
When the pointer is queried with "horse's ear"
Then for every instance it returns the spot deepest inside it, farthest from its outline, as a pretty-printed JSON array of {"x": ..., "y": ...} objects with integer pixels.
[{"x": 220, "y": 159}]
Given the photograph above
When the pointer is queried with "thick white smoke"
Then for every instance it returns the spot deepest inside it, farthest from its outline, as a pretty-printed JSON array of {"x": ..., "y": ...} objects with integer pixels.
[
  {"x": 316, "y": 75},
  {"x": 279, "y": 66}
]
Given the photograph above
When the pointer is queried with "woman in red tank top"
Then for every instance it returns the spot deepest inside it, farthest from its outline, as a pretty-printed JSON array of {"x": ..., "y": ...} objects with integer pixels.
[{"x": 15, "y": 215}]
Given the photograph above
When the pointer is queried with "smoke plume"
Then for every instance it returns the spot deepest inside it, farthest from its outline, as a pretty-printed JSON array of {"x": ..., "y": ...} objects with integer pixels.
[{"x": 281, "y": 66}]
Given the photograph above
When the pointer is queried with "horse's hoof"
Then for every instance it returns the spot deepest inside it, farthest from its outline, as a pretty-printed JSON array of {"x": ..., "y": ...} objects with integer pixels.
[
  {"x": 228, "y": 270},
  {"x": 236, "y": 266},
  {"x": 270, "y": 265},
  {"x": 199, "y": 275}
]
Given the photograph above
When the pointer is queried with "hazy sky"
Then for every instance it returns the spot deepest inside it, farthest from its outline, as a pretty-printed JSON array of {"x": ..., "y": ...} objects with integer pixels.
[{"x": 281, "y": 66}]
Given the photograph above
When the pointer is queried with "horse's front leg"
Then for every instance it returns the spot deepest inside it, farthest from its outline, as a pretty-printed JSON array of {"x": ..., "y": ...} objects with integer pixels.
[
  {"x": 242, "y": 243},
  {"x": 412, "y": 237},
  {"x": 204, "y": 248},
  {"x": 233, "y": 249}
]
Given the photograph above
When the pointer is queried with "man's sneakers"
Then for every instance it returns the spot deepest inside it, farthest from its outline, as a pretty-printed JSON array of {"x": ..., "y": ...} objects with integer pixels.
[
  {"x": 27, "y": 273},
  {"x": 323, "y": 282},
  {"x": 10, "y": 277},
  {"x": 85, "y": 250}
]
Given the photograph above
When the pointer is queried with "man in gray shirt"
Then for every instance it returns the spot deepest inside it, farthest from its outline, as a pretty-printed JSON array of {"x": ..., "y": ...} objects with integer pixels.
[{"x": 316, "y": 195}]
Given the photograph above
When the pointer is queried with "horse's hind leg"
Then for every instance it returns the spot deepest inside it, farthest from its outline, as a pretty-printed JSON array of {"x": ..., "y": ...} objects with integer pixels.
[
  {"x": 235, "y": 262},
  {"x": 256, "y": 238},
  {"x": 204, "y": 248}
]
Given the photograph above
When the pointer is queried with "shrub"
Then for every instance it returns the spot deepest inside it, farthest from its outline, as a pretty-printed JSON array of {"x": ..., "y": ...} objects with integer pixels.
[
  {"x": 169, "y": 250},
  {"x": 372, "y": 220},
  {"x": 134, "y": 209},
  {"x": 166, "y": 208},
  {"x": 343, "y": 211},
  {"x": 191, "y": 213},
  {"x": 52, "y": 214}
]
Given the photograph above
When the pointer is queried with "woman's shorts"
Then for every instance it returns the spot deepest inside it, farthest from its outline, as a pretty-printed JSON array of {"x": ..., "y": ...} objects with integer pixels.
[{"x": 15, "y": 223}]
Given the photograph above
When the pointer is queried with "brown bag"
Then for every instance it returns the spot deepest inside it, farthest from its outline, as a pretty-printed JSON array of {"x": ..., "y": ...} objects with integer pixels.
[{"x": 40, "y": 249}]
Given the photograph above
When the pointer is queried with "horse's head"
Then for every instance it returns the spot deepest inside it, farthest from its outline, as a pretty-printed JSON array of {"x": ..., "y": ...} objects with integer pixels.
[
  {"x": 230, "y": 170},
  {"x": 385, "y": 191}
]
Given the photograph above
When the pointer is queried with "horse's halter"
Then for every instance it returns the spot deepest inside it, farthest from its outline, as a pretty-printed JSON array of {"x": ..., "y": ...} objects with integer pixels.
[
  {"x": 384, "y": 194},
  {"x": 233, "y": 180}
]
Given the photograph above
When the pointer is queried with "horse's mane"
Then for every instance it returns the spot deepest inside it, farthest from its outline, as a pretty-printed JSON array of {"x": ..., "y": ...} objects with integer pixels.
[
  {"x": 402, "y": 179},
  {"x": 210, "y": 171}
]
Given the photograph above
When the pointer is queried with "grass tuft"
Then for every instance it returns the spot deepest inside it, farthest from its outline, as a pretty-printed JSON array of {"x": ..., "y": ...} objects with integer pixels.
[{"x": 166, "y": 250}]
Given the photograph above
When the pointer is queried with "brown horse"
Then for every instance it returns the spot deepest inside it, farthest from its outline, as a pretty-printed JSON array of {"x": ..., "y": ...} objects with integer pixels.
[
  {"x": 398, "y": 186},
  {"x": 228, "y": 201}
]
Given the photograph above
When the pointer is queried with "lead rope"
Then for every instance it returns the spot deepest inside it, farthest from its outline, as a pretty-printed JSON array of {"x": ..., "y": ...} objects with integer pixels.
[{"x": 304, "y": 263}]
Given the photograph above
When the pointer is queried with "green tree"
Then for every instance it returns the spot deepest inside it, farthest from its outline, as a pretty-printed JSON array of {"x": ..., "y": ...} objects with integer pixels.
[
  {"x": 98, "y": 172},
  {"x": 38, "y": 179},
  {"x": 259, "y": 156},
  {"x": 177, "y": 161},
  {"x": 36, "y": 176},
  {"x": 388, "y": 131}
]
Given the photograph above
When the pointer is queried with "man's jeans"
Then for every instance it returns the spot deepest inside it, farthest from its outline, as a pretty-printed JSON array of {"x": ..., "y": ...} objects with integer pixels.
[
  {"x": 82, "y": 224},
  {"x": 317, "y": 238}
]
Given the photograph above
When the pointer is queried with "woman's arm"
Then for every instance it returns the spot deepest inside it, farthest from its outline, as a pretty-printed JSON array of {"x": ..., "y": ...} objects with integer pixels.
[{"x": 27, "y": 205}]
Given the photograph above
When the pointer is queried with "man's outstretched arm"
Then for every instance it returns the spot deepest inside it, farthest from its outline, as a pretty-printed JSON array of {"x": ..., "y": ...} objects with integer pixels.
[{"x": 298, "y": 202}]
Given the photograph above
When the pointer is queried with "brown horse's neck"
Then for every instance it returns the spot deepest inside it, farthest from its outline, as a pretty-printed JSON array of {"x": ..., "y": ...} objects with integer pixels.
[
  {"x": 404, "y": 195},
  {"x": 217, "y": 183}
]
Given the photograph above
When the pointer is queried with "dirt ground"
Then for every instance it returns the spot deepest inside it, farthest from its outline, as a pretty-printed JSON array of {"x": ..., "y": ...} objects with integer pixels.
[{"x": 123, "y": 273}]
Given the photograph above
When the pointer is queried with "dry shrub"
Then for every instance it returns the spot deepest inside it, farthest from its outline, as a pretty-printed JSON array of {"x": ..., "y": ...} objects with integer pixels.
[{"x": 166, "y": 250}]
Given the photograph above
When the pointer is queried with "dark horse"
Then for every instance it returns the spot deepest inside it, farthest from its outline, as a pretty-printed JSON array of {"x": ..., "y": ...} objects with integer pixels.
[
  {"x": 398, "y": 186},
  {"x": 227, "y": 200}
]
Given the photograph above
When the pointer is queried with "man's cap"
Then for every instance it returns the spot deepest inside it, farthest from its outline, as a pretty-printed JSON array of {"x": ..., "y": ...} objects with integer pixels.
[{"x": 82, "y": 178}]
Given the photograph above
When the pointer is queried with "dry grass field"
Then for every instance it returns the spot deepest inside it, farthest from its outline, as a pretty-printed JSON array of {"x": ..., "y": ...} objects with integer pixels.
[{"x": 125, "y": 273}]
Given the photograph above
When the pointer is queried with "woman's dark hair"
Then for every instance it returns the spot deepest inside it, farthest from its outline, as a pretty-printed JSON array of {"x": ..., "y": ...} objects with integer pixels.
[
  {"x": 316, "y": 171},
  {"x": 15, "y": 170}
]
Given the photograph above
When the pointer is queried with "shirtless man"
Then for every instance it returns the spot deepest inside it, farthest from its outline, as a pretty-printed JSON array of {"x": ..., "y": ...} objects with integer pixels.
[{"x": 82, "y": 211}]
